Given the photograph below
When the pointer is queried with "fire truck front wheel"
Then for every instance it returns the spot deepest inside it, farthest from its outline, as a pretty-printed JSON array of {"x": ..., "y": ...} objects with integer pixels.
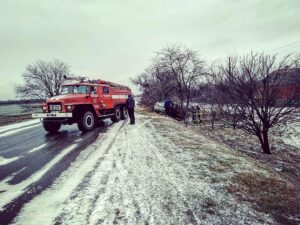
[
  {"x": 117, "y": 115},
  {"x": 51, "y": 127},
  {"x": 86, "y": 122}
]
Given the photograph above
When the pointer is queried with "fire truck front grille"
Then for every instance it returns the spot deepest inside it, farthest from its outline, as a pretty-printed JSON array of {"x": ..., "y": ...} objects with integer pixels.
[{"x": 54, "y": 107}]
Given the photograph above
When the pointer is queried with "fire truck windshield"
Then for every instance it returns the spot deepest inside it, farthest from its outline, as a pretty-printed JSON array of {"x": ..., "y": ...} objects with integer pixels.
[{"x": 74, "y": 89}]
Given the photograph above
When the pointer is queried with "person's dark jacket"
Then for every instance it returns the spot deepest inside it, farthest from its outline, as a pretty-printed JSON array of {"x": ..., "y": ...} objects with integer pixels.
[
  {"x": 130, "y": 103},
  {"x": 168, "y": 104}
]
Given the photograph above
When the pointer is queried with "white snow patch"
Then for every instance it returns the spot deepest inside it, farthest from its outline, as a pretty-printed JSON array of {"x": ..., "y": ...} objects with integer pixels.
[
  {"x": 37, "y": 148},
  {"x": 292, "y": 136},
  {"x": 4, "y": 161},
  {"x": 289, "y": 134},
  {"x": 13, "y": 191}
]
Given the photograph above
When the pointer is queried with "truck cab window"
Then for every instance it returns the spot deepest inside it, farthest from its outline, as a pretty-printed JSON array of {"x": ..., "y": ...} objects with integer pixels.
[
  {"x": 80, "y": 89},
  {"x": 94, "y": 90},
  {"x": 105, "y": 90}
]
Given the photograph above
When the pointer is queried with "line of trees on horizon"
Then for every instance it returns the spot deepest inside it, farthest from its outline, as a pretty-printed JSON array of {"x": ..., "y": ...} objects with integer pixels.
[{"x": 242, "y": 90}]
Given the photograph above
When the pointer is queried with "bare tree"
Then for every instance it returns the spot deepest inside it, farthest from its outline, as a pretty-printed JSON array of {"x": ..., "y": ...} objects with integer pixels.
[
  {"x": 175, "y": 72},
  {"x": 186, "y": 68},
  {"x": 262, "y": 89},
  {"x": 155, "y": 85},
  {"x": 42, "y": 80}
]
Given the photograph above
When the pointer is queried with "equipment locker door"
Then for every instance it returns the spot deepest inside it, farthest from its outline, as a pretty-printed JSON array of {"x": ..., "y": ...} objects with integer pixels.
[{"x": 107, "y": 97}]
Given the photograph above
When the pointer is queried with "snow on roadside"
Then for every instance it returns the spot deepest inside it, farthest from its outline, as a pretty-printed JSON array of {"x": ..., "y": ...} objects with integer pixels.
[
  {"x": 215, "y": 166},
  {"x": 292, "y": 135},
  {"x": 140, "y": 175}
]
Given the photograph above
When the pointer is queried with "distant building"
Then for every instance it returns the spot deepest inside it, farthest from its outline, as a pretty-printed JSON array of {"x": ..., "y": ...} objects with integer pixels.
[{"x": 287, "y": 85}]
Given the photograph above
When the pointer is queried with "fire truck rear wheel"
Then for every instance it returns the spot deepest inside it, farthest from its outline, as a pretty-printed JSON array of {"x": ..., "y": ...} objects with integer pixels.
[
  {"x": 87, "y": 121},
  {"x": 117, "y": 115},
  {"x": 51, "y": 127},
  {"x": 124, "y": 113}
]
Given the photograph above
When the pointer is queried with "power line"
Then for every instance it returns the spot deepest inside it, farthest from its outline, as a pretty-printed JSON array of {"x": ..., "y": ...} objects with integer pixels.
[{"x": 281, "y": 48}]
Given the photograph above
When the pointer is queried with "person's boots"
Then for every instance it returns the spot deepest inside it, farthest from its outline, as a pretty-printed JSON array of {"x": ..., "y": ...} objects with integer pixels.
[{"x": 131, "y": 122}]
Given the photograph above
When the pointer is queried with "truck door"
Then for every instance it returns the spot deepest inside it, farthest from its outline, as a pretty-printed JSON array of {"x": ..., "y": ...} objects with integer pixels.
[
  {"x": 107, "y": 97},
  {"x": 95, "y": 98}
]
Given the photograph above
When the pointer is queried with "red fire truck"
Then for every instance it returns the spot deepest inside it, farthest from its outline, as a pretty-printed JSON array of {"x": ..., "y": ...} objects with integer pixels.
[{"x": 85, "y": 102}]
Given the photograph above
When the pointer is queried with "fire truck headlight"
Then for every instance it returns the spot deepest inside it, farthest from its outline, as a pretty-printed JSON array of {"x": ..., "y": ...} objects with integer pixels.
[
  {"x": 44, "y": 108},
  {"x": 69, "y": 108}
]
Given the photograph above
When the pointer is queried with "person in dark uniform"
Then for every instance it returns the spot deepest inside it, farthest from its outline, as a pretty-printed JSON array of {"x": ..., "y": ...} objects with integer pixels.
[
  {"x": 168, "y": 106},
  {"x": 130, "y": 104},
  {"x": 198, "y": 110},
  {"x": 194, "y": 113}
]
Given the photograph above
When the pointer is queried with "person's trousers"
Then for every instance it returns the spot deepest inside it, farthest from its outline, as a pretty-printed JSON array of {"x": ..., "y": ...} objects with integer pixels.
[
  {"x": 131, "y": 115},
  {"x": 168, "y": 111}
]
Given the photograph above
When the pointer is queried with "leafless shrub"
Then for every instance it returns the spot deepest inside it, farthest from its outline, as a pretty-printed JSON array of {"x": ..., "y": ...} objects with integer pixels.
[{"x": 259, "y": 90}]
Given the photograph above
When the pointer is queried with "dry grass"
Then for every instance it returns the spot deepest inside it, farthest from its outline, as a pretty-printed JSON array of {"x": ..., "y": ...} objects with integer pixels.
[
  {"x": 269, "y": 194},
  {"x": 276, "y": 194},
  {"x": 144, "y": 110},
  {"x": 13, "y": 119}
]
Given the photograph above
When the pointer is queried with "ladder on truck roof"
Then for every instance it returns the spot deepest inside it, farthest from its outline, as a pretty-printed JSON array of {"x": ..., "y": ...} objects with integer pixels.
[
  {"x": 111, "y": 84},
  {"x": 99, "y": 81}
]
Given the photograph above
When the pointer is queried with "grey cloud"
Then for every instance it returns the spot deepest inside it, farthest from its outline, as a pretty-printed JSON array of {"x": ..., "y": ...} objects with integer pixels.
[{"x": 115, "y": 39}]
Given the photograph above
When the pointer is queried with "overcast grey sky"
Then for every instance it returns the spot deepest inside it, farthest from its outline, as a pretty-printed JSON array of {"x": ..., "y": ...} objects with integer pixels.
[{"x": 116, "y": 39}]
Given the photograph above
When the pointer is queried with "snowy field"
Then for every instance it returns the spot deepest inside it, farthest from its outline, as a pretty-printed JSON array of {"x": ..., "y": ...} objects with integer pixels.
[{"x": 155, "y": 172}]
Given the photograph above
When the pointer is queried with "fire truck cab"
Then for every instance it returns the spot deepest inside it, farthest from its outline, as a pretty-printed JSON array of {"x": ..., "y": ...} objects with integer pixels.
[{"x": 85, "y": 102}]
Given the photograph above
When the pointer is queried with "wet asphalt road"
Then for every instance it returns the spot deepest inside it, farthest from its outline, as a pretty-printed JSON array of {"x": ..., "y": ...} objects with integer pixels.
[{"x": 22, "y": 145}]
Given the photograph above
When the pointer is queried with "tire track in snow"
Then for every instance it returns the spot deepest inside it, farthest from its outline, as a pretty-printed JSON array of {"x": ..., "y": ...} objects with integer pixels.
[
  {"x": 134, "y": 196},
  {"x": 91, "y": 187}
]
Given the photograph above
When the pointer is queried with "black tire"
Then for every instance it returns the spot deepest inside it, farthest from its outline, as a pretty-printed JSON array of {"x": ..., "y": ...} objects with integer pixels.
[
  {"x": 51, "y": 127},
  {"x": 87, "y": 121},
  {"x": 117, "y": 115},
  {"x": 124, "y": 113}
]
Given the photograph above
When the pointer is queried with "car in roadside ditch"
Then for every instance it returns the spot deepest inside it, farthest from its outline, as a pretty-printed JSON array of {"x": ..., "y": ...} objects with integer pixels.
[{"x": 159, "y": 107}]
